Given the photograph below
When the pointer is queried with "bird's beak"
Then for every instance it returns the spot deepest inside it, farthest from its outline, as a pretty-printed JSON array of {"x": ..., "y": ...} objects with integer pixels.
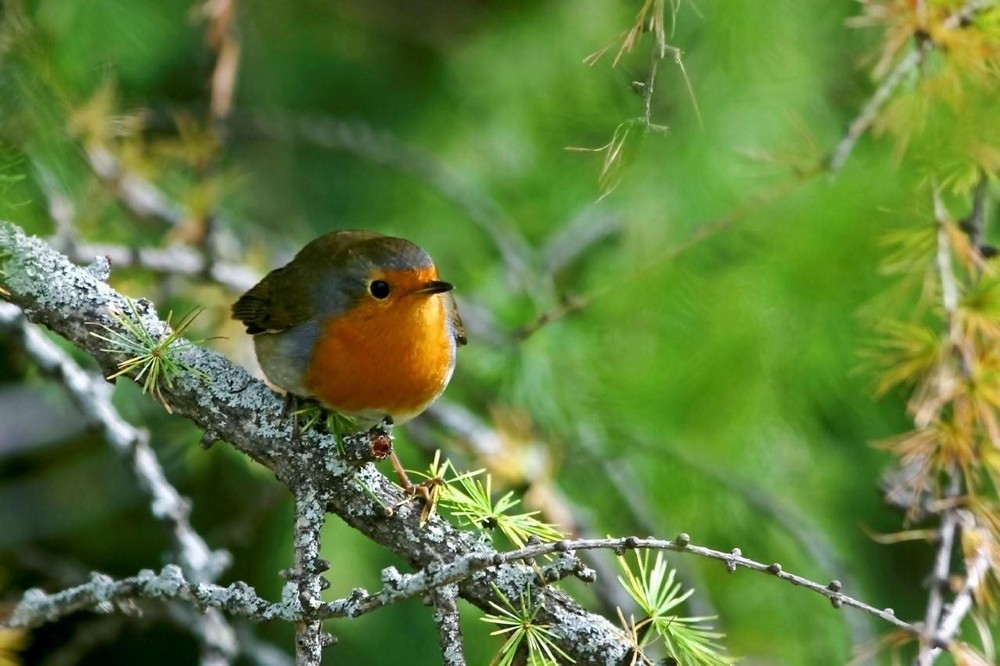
[{"x": 435, "y": 287}]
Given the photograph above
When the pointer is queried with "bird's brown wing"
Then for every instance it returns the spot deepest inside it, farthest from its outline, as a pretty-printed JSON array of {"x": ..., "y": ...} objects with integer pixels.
[
  {"x": 286, "y": 296},
  {"x": 276, "y": 303}
]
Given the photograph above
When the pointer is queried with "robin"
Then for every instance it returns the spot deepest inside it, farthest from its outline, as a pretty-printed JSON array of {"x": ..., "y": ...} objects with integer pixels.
[{"x": 361, "y": 323}]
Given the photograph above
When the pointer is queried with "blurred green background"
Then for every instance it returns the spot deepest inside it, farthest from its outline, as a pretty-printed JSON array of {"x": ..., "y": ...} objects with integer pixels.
[{"x": 714, "y": 387}]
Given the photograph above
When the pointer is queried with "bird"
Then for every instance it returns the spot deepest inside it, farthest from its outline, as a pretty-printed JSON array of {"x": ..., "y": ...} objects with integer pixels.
[{"x": 359, "y": 322}]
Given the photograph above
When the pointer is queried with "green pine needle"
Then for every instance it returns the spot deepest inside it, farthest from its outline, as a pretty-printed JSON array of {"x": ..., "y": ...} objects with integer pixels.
[
  {"x": 334, "y": 423},
  {"x": 520, "y": 626},
  {"x": 687, "y": 639},
  {"x": 152, "y": 360},
  {"x": 468, "y": 499}
]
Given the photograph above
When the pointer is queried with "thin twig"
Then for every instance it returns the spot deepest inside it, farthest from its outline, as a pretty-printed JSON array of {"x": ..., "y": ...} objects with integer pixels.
[
  {"x": 940, "y": 572},
  {"x": 948, "y": 531},
  {"x": 733, "y": 560},
  {"x": 870, "y": 110},
  {"x": 946, "y": 271},
  {"x": 649, "y": 87},
  {"x": 960, "y": 606},
  {"x": 975, "y": 224}
]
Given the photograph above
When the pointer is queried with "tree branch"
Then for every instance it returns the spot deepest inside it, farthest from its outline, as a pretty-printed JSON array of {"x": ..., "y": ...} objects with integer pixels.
[
  {"x": 940, "y": 573},
  {"x": 310, "y": 639},
  {"x": 449, "y": 627}
]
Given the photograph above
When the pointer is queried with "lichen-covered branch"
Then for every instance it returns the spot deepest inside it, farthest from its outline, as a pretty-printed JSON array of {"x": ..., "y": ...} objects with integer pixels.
[
  {"x": 310, "y": 639},
  {"x": 102, "y": 593},
  {"x": 240, "y": 600},
  {"x": 445, "y": 609}
]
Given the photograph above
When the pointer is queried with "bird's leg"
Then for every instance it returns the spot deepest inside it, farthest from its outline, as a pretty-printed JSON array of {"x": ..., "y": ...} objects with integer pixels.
[
  {"x": 308, "y": 410},
  {"x": 381, "y": 441},
  {"x": 291, "y": 407},
  {"x": 415, "y": 489}
]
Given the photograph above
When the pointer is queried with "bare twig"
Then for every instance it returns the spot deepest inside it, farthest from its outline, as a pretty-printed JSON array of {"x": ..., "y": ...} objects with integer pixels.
[
  {"x": 733, "y": 560},
  {"x": 946, "y": 271},
  {"x": 975, "y": 577},
  {"x": 870, "y": 110},
  {"x": 975, "y": 224},
  {"x": 941, "y": 621},
  {"x": 939, "y": 575}
]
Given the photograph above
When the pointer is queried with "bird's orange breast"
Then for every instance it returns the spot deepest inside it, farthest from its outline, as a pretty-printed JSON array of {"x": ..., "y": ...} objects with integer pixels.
[{"x": 377, "y": 360}]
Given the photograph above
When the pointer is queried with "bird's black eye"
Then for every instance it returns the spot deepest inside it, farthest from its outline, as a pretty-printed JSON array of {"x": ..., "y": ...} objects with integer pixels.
[{"x": 379, "y": 289}]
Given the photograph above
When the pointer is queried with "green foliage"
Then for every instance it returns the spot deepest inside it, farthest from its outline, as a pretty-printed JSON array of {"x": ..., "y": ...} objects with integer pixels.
[
  {"x": 466, "y": 497},
  {"x": 151, "y": 357},
  {"x": 523, "y": 631},
  {"x": 12, "y": 173},
  {"x": 686, "y": 639}
]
